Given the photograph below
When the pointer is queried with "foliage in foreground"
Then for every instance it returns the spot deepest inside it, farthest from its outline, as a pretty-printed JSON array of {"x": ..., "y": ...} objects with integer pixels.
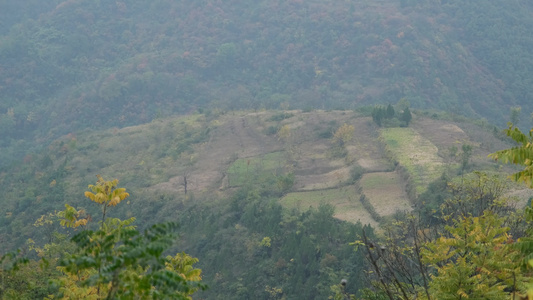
[
  {"x": 478, "y": 247},
  {"x": 469, "y": 248},
  {"x": 519, "y": 155},
  {"x": 114, "y": 261}
]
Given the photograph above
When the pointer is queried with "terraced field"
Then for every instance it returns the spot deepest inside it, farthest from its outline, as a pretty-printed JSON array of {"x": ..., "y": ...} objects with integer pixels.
[
  {"x": 218, "y": 154},
  {"x": 345, "y": 199},
  {"x": 418, "y": 155},
  {"x": 386, "y": 192}
]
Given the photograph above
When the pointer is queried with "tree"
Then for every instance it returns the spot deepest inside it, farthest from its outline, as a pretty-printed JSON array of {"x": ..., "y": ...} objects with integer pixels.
[
  {"x": 378, "y": 114},
  {"x": 397, "y": 271},
  {"x": 106, "y": 194},
  {"x": 390, "y": 111},
  {"x": 519, "y": 155},
  {"x": 116, "y": 261},
  {"x": 406, "y": 116},
  {"x": 126, "y": 264},
  {"x": 402, "y": 104},
  {"x": 400, "y": 260},
  {"x": 344, "y": 134},
  {"x": 474, "y": 260},
  {"x": 465, "y": 156},
  {"x": 284, "y": 133},
  {"x": 9, "y": 264},
  {"x": 475, "y": 194}
]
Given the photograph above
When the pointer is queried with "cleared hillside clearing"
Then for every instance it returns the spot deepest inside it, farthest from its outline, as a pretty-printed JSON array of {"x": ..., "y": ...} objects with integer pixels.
[
  {"x": 386, "y": 192},
  {"x": 244, "y": 169},
  {"x": 345, "y": 200},
  {"x": 415, "y": 153}
]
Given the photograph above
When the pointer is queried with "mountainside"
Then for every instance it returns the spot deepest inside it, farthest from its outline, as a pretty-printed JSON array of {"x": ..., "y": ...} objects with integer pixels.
[
  {"x": 71, "y": 65},
  {"x": 210, "y": 157},
  {"x": 282, "y": 191}
]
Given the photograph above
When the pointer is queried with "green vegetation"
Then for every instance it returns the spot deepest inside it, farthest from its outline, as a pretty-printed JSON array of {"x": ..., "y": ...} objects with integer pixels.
[
  {"x": 172, "y": 97},
  {"x": 521, "y": 154},
  {"x": 294, "y": 254},
  {"x": 468, "y": 249},
  {"x": 388, "y": 117},
  {"x": 63, "y": 72},
  {"x": 306, "y": 200},
  {"x": 474, "y": 259},
  {"x": 115, "y": 261},
  {"x": 385, "y": 194},
  {"x": 263, "y": 208},
  {"x": 245, "y": 170},
  {"x": 415, "y": 153}
]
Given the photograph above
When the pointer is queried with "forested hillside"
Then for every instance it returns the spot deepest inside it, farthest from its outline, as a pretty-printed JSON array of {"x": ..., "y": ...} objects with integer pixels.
[
  {"x": 265, "y": 149},
  {"x": 71, "y": 65},
  {"x": 268, "y": 202}
]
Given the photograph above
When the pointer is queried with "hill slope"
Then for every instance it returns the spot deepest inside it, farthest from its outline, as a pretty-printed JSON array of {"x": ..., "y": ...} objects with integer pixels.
[
  {"x": 77, "y": 64},
  {"x": 169, "y": 162},
  {"x": 275, "y": 190}
]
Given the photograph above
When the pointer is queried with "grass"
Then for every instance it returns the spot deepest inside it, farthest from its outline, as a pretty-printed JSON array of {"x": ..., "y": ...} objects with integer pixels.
[
  {"x": 345, "y": 200},
  {"x": 139, "y": 156},
  {"x": 244, "y": 169},
  {"x": 385, "y": 191},
  {"x": 303, "y": 200},
  {"x": 415, "y": 153},
  {"x": 376, "y": 181}
]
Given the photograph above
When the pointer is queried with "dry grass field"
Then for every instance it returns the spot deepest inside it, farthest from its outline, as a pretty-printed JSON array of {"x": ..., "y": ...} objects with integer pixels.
[
  {"x": 386, "y": 192},
  {"x": 222, "y": 152},
  {"x": 345, "y": 199}
]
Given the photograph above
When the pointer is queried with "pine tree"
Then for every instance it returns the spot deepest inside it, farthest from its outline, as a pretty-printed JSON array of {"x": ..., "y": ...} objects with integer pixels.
[
  {"x": 406, "y": 116},
  {"x": 390, "y": 111}
]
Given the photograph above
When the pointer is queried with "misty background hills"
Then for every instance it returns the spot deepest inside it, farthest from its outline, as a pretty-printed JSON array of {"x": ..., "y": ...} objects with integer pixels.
[{"x": 66, "y": 66}]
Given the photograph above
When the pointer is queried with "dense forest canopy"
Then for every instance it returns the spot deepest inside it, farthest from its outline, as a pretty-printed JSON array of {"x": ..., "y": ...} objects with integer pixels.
[{"x": 71, "y": 65}]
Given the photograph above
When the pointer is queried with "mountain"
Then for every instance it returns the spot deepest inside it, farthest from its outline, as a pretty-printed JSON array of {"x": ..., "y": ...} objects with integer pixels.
[
  {"x": 254, "y": 124},
  {"x": 204, "y": 156},
  {"x": 67, "y": 66},
  {"x": 284, "y": 191}
]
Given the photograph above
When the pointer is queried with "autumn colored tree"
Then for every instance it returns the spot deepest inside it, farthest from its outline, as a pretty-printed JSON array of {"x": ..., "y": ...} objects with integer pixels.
[
  {"x": 344, "y": 134},
  {"x": 522, "y": 154},
  {"x": 117, "y": 261},
  {"x": 284, "y": 133},
  {"x": 474, "y": 259},
  {"x": 341, "y": 137}
]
